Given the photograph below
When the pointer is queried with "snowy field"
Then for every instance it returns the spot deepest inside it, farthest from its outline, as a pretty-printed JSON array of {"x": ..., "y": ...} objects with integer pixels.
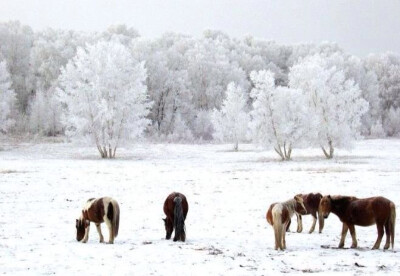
[{"x": 43, "y": 187}]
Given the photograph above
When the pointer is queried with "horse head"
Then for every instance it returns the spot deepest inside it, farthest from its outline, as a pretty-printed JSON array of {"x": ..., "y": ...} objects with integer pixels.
[
  {"x": 81, "y": 225},
  {"x": 325, "y": 206},
  {"x": 300, "y": 208},
  {"x": 168, "y": 228}
]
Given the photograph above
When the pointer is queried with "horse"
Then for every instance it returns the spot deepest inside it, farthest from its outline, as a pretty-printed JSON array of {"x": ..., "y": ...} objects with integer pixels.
[
  {"x": 175, "y": 208},
  {"x": 311, "y": 202},
  {"x": 278, "y": 216},
  {"x": 363, "y": 212},
  {"x": 104, "y": 209}
]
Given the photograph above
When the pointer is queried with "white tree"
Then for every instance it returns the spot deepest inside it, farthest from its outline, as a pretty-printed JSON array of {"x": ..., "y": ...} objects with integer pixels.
[
  {"x": 45, "y": 114},
  {"x": 279, "y": 115},
  {"x": 334, "y": 101},
  {"x": 7, "y": 99},
  {"x": 104, "y": 91},
  {"x": 230, "y": 123},
  {"x": 16, "y": 42}
]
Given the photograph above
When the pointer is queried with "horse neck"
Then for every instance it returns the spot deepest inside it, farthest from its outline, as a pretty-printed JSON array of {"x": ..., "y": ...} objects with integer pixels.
[
  {"x": 291, "y": 206},
  {"x": 339, "y": 205}
]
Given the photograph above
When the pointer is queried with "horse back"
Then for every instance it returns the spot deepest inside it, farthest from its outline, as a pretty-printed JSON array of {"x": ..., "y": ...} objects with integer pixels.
[
  {"x": 311, "y": 202},
  {"x": 278, "y": 209},
  {"x": 94, "y": 210},
  {"x": 169, "y": 205},
  {"x": 368, "y": 211}
]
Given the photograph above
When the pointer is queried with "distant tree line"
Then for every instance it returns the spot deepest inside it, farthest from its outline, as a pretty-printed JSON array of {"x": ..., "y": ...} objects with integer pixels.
[{"x": 113, "y": 86}]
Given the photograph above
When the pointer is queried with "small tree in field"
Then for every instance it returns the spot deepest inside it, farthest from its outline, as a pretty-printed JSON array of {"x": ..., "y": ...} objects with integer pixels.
[
  {"x": 103, "y": 90},
  {"x": 278, "y": 115},
  {"x": 334, "y": 101},
  {"x": 230, "y": 123},
  {"x": 7, "y": 98}
]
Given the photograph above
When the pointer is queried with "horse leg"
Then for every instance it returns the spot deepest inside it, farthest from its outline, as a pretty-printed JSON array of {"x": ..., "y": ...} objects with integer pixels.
[
  {"x": 314, "y": 216},
  {"x": 353, "y": 236},
  {"x": 98, "y": 227},
  {"x": 86, "y": 237},
  {"x": 299, "y": 223},
  {"x": 288, "y": 225},
  {"x": 387, "y": 230},
  {"x": 320, "y": 222},
  {"x": 345, "y": 228},
  {"x": 110, "y": 231},
  {"x": 283, "y": 240},
  {"x": 379, "y": 226},
  {"x": 277, "y": 237}
]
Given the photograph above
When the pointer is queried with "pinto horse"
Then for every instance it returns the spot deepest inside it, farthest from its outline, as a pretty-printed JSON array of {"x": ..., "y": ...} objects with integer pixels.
[
  {"x": 175, "y": 208},
  {"x": 104, "y": 209},
  {"x": 311, "y": 202},
  {"x": 279, "y": 214},
  {"x": 363, "y": 212}
]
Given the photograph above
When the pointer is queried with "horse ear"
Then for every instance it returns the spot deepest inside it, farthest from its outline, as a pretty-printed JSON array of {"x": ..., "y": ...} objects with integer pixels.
[{"x": 329, "y": 196}]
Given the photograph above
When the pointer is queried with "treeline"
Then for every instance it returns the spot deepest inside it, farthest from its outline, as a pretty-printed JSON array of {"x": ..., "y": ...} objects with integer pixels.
[{"x": 187, "y": 78}]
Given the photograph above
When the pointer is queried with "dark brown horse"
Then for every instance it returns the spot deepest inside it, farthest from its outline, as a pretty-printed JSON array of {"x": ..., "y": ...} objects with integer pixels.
[
  {"x": 363, "y": 212},
  {"x": 279, "y": 214},
  {"x": 175, "y": 208},
  {"x": 104, "y": 209},
  {"x": 311, "y": 202}
]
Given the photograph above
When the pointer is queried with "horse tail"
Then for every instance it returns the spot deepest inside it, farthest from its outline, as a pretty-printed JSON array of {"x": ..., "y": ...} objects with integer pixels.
[
  {"x": 179, "y": 220},
  {"x": 392, "y": 222},
  {"x": 277, "y": 225},
  {"x": 113, "y": 216}
]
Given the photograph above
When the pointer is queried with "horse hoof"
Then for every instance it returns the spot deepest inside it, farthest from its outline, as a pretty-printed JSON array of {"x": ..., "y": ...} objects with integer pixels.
[{"x": 353, "y": 246}]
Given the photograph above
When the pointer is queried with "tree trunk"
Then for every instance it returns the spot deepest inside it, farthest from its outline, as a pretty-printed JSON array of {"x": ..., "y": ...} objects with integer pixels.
[
  {"x": 331, "y": 150},
  {"x": 288, "y": 153},
  {"x": 236, "y": 146},
  {"x": 279, "y": 151}
]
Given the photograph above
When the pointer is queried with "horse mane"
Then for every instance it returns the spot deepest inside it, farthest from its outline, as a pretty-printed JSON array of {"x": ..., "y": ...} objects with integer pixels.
[
  {"x": 179, "y": 220},
  {"x": 339, "y": 202}
]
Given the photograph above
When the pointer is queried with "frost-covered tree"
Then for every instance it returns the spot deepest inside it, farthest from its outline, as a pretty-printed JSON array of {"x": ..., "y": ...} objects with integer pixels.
[
  {"x": 387, "y": 69},
  {"x": 103, "y": 89},
  {"x": 230, "y": 123},
  {"x": 16, "y": 42},
  {"x": 278, "y": 115},
  {"x": 334, "y": 101},
  {"x": 7, "y": 99},
  {"x": 45, "y": 114}
]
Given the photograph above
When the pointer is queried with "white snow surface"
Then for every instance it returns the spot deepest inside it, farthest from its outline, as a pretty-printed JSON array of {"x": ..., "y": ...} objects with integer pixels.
[{"x": 43, "y": 187}]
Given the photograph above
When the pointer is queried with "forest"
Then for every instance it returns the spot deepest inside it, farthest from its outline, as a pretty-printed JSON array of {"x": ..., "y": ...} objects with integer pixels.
[{"x": 114, "y": 86}]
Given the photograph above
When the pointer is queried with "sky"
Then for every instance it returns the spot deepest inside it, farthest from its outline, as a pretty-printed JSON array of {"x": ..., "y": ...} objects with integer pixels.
[{"x": 360, "y": 27}]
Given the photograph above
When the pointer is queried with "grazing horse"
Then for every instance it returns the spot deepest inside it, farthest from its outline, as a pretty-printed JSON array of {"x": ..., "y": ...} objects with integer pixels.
[
  {"x": 175, "y": 208},
  {"x": 104, "y": 209},
  {"x": 363, "y": 212},
  {"x": 278, "y": 216},
  {"x": 311, "y": 202}
]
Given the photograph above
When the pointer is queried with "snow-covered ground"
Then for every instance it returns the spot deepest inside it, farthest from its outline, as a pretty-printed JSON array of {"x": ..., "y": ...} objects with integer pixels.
[{"x": 43, "y": 187}]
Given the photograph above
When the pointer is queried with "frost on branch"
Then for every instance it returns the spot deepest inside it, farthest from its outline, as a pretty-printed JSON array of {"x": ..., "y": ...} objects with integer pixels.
[
  {"x": 7, "y": 99},
  {"x": 230, "y": 123},
  {"x": 278, "y": 116},
  {"x": 332, "y": 100},
  {"x": 104, "y": 92}
]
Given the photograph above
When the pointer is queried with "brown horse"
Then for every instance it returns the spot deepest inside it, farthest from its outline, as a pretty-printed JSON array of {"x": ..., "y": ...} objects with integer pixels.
[
  {"x": 175, "y": 208},
  {"x": 363, "y": 212},
  {"x": 279, "y": 214},
  {"x": 311, "y": 202},
  {"x": 104, "y": 209}
]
